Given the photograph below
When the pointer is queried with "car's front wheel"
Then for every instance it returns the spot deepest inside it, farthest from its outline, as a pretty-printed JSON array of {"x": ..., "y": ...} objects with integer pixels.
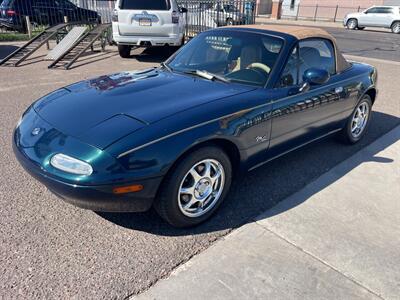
[
  {"x": 352, "y": 24},
  {"x": 396, "y": 27},
  {"x": 357, "y": 124},
  {"x": 124, "y": 51},
  {"x": 195, "y": 188}
]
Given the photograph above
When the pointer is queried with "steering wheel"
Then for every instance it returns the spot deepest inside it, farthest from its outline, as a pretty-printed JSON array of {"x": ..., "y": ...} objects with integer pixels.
[{"x": 261, "y": 66}]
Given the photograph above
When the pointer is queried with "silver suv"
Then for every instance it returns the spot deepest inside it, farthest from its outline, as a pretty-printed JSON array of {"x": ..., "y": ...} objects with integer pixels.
[
  {"x": 146, "y": 23},
  {"x": 376, "y": 16}
]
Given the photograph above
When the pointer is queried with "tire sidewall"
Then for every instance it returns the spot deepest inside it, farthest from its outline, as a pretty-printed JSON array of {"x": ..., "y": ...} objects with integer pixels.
[
  {"x": 124, "y": 51},
  {"x": 350, "y": 137},
  {"x": 348, "y": 24},
  {"x": 169, "y": 194},
  {"x": 393, "y": 26}
]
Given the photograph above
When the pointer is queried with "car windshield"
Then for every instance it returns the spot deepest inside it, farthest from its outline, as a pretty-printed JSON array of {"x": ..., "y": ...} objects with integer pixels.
[
  {"x": 145, "y": 4},
  {"x": 233, "y": 56}
]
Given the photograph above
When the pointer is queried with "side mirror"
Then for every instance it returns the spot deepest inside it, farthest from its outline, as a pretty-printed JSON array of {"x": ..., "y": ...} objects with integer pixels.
[
  {"x": 316, "y": 76},
  {"x": 183, "y": 10}
]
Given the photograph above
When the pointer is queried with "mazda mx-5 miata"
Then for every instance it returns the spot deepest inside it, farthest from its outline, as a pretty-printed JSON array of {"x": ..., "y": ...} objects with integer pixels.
[{"x": 172, "y": 137}]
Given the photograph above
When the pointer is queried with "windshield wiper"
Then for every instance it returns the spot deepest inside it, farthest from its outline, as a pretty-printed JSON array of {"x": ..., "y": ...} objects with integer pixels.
[
  {"x": 165, "y": 66},
  {"x": 207, "y": 75}
]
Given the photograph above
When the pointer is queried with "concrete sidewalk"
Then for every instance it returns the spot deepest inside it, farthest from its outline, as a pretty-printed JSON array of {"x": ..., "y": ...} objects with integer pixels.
[{"x": 338, "y": 238}]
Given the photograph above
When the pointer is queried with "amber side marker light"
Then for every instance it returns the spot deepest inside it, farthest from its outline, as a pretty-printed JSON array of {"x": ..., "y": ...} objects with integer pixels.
[{"x": 128, "y": 189}]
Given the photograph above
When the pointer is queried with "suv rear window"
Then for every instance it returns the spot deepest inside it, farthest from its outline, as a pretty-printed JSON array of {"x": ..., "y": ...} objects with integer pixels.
[{"x": 145, "y": 4}]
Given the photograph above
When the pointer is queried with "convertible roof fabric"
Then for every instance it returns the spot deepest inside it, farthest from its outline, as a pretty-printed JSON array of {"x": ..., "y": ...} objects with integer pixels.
[{"x": 301, "y": 33}]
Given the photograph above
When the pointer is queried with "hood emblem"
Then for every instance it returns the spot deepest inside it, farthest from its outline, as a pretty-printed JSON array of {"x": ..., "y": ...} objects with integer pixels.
[{"x": 36, "y": 131}]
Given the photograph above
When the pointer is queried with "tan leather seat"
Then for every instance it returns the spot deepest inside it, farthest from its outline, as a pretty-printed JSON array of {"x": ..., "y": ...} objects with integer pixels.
[{"x": 248, "y": 55}]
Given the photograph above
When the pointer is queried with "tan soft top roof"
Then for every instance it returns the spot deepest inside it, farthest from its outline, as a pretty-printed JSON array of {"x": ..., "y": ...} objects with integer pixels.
[{"x": 301, "y": 33}]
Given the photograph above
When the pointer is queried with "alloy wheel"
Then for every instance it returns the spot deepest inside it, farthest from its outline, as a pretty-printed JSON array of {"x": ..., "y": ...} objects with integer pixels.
[
  {"x": 396, "y": 28},
  {"x": 201, "y": 188},
  {"x": 352, "y": 24},
  {"x": 360, "y": 120}
]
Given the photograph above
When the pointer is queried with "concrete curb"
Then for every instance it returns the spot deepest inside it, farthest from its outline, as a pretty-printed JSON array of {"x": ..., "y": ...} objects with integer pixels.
[{"x": 285, "y": 255}]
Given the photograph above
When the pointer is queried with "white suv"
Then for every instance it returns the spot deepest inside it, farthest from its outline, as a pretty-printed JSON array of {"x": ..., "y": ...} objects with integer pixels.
[
  {"x": 146, "y": 23},
  {"x": 376, "y": 16}
]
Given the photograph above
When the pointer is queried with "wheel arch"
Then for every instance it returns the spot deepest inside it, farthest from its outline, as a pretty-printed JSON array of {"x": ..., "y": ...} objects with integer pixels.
[
  {"x": 229, "y": 147},
  {"x": 352, "y": 18},
  {"x": 395, "y": 21},
  {"x": 372, "y": 93}
]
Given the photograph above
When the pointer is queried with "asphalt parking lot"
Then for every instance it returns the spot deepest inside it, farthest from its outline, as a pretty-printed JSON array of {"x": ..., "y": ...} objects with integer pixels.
[
  {"x": 379, "y": 43},
  {"x": 49, "y": 249}
]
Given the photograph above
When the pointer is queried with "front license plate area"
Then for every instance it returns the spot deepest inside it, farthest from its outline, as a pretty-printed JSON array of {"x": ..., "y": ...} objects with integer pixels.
[{"x": 145, "y": 22}]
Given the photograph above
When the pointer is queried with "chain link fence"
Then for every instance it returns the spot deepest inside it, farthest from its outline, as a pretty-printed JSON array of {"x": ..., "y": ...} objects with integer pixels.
[
  {"x": 206, "y": 14},
  {"x": 25, "y": 16}
]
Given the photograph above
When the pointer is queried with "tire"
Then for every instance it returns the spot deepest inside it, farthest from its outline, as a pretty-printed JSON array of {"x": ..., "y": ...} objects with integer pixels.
[
  {"x": 351, "y": 136},
  {"x": 183, "y": 41},
  {"x": 124, "y": 51},
  {"x": 352, "y": 24},
  {"x": 395, "y": 27},
  {"x": 229, "y": 22},
  {"x": 211, "y": 189}
]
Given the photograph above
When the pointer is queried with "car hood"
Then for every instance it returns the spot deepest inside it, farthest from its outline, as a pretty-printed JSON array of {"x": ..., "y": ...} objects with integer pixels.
[
  {"x": 353, "y": 15},
  {"x": 102, "y": 110}
]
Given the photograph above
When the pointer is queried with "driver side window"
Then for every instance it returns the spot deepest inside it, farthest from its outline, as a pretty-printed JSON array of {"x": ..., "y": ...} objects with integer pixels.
[
  {"x": 290, "y": 76},
  {"x": 310, "y": 53}
]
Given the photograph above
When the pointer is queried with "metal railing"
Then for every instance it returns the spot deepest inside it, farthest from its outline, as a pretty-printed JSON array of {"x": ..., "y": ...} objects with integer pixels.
[
  {"x": 201, "y": 15},
  {"x": 317, "y": 12},
  {"x": 206, "y": 14},
  {"x": 21, "y": 16}
]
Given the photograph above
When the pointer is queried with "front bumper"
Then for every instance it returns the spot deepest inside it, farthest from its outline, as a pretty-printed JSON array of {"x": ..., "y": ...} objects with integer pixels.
[
  {"x": 173, "y": 40},
  {"x": 92, "y": 197}
]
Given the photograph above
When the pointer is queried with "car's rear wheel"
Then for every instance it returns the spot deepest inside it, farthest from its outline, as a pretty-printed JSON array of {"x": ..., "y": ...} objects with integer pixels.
[
  {"x": 183, "y": 41},
  {"x": 396, "y": 27},
  {"x": 358, "y": 122},
  {"x": 352, "y": 24},
  {"x": 195, "y": 188},
  {"x": 124, "y": 51}
]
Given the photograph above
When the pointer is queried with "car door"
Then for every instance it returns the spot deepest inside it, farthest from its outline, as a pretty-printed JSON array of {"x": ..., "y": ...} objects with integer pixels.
[
  {"x": 307, "y": 112},
  {"x": 69, "y": 10},
  {"x": 368, "y": 17},
  {"x": 384, "y": 17},
  {"x": 46, "y": 13}
]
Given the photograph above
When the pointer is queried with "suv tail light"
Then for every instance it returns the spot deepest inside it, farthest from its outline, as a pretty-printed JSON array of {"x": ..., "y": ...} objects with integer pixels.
[
  {"x": 175, "y": 17},
  {"x": 11, "y": 13},
  {"x": 115, "y": 16}
]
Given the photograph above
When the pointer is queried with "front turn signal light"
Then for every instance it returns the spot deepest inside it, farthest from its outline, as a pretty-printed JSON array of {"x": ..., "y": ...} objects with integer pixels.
[{"x": 128, "y": 189}]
